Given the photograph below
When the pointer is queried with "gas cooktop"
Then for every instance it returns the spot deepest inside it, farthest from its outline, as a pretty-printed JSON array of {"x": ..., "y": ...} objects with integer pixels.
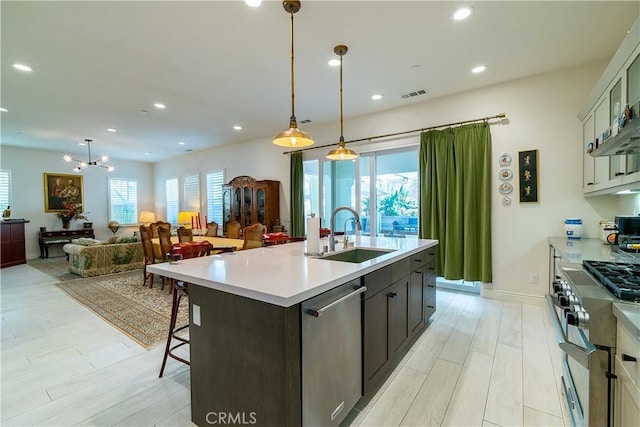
[{"x": 621, "y": 278}]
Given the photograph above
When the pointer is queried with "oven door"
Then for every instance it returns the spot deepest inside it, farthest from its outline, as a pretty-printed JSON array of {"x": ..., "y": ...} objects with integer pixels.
[{"x": 579, "y": 356}]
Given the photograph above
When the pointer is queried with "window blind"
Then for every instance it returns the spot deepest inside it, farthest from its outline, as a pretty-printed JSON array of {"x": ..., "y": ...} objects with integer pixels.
[
  {"x": 173, "y": 200},
  {"x": 191, "y": 186},
  {"x": 123, "y": 200},
  {"x": 215, "y": 180},
  {"x": 5, "y": 188}
]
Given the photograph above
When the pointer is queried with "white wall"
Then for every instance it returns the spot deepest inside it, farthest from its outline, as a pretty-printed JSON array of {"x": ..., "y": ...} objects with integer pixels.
[
  {"x": 541, "y": 113},
  {"x": 27, "y": 167}
]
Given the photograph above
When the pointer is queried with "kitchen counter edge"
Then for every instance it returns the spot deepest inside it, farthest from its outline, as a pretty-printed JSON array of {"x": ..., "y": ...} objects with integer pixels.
[{"x": 304, "y": 292}]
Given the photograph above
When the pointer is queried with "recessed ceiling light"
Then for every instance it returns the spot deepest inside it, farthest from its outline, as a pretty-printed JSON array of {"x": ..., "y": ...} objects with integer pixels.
[
  {"x": 181, "y": 143},
  {"x": 146, "y": 153},
  {"x": 22, "y": 67},
  {"x": 478, "y": 69},
  {"x": 376, "y": 97},
  {"x": 82, "y": 143},
  {"x": 462, "y": 13},
  {"x": 237, "y": 127},
  {"x": 112, "y": 130},
  {"x": 4, "y": 110},
  {"x": 253, "y": 3},
  {"x": 334, "y": 62},
  {"x": 159, "y": 106}
]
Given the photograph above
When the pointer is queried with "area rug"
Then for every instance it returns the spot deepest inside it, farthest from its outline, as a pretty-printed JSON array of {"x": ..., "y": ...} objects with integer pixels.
[
  {"x": 56, "y": 267},
  {"x": 121, "y": 300}
]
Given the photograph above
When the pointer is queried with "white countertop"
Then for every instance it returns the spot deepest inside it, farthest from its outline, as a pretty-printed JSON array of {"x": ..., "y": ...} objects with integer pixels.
[
  {"x": 282, "y": 274},
  {"x": 629, "y": 315},
  {"x": 577, "y": 250}
]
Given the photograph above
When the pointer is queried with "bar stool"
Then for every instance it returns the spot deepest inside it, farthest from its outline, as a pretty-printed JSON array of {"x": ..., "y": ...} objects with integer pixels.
[{"x": 181, "y": 289}]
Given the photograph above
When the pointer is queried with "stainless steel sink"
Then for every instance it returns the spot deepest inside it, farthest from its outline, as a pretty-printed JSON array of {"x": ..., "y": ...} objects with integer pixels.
[{"x": 356, "y": 255}]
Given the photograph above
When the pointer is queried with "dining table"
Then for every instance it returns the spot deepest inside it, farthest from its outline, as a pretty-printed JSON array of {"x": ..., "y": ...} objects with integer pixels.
[{"x": 216, "y": 242}]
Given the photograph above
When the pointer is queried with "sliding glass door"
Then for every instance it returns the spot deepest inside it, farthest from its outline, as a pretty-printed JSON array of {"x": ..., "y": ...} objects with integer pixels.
[{"x": 387, "y": 204}]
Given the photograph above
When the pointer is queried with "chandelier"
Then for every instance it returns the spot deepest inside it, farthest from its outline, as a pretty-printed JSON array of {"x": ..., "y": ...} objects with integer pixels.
[{"x": 84, "y": 164}]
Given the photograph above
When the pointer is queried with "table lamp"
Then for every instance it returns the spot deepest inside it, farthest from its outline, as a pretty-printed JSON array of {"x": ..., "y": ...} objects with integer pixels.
[
  {"x": 187, "y": 218},
  {"x": 147, "y": 217}
]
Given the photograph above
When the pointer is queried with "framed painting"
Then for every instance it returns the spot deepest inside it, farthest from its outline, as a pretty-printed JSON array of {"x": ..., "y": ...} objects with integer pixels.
[
  {"x": 60, "y": 189},
  {"x": 528, "y": 174}
]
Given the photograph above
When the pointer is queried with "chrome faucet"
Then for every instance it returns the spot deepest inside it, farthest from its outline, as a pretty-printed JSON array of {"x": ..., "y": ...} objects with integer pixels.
[{"x": 356, "y": 218}]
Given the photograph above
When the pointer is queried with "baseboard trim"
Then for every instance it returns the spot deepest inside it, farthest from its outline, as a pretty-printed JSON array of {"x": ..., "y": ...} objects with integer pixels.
[{"x": 512, "y": 297}]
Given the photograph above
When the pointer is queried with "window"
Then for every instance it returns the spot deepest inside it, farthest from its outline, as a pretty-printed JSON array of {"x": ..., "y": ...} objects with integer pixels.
[
  {"x": 173, "y": 200},
  {"x": 215, "y": 180},
  {"x": 123, "y": 200},
  {"x": 5, "y": 188},
  {"x": 191, "y": 186},
  {"x": 382, "y": 186}
]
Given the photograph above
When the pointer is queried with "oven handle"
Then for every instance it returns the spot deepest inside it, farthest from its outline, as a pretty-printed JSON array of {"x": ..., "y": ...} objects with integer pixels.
[{"x": 581, "y": 355}]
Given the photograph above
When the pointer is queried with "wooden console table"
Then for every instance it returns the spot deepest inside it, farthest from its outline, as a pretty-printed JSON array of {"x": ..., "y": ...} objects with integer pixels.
[
  {"x": 13, "y": 243},
  {"x": 61, "y": 237}
]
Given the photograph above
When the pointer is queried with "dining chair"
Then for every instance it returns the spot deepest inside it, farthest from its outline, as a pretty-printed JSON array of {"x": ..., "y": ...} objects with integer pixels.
[
  {"x": 181, "y": 289},
  {"x": 164, "y": 235},
  {"x": 184, "y": 234},
  {"x": 148, "y": 253},
  {"x": 233, "y": 230},
  {"x": 155, "y": 225},
  {"x": 252, "y": 236},
  {"x": 212, "y": 229}
]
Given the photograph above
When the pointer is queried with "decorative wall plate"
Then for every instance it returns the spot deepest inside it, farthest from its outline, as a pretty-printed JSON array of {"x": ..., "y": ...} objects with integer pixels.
[
  {"x": 504, "y": 159},
  {"x": 505, "y": 188},
  {"x": 505, "y": 174},
  {"x": 506, "y": 201}
]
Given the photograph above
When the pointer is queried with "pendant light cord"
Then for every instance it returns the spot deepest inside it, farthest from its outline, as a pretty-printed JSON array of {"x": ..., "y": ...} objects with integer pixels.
[
  {"x": 293, "y": 111},
  {"x": 341, "y": 120}
]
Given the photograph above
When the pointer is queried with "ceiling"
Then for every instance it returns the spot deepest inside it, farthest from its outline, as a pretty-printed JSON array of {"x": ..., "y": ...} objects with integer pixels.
[{"x": 216, "y": 64}]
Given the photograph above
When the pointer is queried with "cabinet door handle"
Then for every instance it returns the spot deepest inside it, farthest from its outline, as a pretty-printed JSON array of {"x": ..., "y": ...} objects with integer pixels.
[
  {"x": 431, "y": 286},
  {"x": 392, "y": 294},
  {"x": 589, "y": 183},
  {"x": 619, "y": 173},
  {"x": 628, "y": 358},
  {"x": 430, "y": 306}
]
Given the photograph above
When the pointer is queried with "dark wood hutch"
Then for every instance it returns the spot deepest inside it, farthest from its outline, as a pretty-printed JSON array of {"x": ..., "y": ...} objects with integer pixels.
[{"x": 248, "y": 201}]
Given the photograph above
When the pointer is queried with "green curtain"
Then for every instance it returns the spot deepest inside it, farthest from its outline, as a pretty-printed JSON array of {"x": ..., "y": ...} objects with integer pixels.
[
  {"x": 455, "y": 199},
  {"x": 297, "y": 195}
]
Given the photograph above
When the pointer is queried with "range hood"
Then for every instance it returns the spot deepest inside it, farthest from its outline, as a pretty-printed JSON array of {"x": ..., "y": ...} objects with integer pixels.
[{"x": 627, "y": 141}]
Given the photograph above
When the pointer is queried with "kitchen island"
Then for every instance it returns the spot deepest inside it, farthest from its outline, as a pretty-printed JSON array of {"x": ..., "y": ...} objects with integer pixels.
[{"x": 245, "y": 311}]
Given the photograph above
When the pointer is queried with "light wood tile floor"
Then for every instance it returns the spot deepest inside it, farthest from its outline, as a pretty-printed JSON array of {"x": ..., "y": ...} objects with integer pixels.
[{"x": 480, "y": 363}]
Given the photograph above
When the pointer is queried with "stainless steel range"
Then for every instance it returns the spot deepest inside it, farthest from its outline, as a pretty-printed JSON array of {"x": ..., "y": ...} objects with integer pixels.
[{"x": 580, "y": 302}]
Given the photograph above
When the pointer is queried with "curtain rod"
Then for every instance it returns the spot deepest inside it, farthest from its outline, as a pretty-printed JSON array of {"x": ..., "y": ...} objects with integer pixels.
[{"x": 483, "y": 119}]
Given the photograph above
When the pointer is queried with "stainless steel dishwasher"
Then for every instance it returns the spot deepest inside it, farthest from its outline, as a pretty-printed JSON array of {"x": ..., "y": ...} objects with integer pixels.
[{"x": 331, "y": 354}]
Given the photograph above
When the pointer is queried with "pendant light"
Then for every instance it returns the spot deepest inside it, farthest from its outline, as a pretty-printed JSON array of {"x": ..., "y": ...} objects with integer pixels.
[
  {"x": 292, "y": 137},
  {"x": 342, "y": 152}
]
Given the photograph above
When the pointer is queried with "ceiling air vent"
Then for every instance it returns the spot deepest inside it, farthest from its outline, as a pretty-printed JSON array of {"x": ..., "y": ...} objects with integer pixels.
[{"x": 416, "y": 93}]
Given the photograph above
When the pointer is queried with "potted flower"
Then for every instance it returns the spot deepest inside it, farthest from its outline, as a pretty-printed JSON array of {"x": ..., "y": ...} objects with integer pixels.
[{"x": 70, "y": 211}]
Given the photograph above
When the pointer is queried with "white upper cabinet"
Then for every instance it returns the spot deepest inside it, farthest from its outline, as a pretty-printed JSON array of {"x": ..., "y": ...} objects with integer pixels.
[{"x": 607, "y": 169}]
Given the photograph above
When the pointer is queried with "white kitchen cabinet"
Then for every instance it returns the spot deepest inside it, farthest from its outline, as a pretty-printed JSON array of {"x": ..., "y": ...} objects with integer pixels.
[
  {"x": 627, "y": 384},
  {"x": 619, "y": 86}
]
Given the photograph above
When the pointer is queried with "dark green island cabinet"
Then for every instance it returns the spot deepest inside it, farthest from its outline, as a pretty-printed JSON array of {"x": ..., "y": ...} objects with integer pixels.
[{"x": 246, "y": 354}]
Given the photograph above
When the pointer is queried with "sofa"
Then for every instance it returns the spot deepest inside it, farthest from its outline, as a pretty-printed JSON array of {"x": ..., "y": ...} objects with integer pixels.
[{"x": 90, "y": 257}]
